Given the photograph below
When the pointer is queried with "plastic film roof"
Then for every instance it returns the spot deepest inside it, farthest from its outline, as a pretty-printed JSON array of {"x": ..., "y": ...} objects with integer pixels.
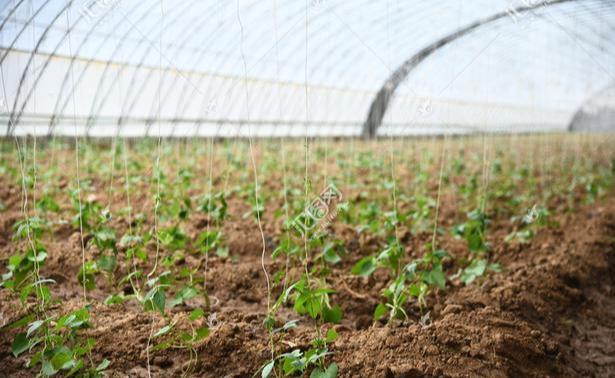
[{"x": 270, "y": 68}]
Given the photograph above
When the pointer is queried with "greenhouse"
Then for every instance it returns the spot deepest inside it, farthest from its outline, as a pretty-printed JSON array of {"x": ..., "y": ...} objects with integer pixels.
[{"x": 322, "y": 188}]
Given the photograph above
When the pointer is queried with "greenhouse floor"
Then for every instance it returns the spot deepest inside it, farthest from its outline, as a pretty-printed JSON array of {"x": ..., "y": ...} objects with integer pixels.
[{"x": 551, "y": 313}]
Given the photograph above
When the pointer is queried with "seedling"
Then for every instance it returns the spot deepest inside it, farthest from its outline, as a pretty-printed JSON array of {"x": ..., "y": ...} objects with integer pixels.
[
  {"x": 298, "y": 361},
  {"x": 183, "y": 339},
  {"x": 57, "y": 346},
  {"x": 473, "y": 232},
  {"x": 155, "y": 298},
  {"x": 173, "y": 238},
  {"x": 415, "y": 280},
  {"x": 215, "y": 206},
  {"x": 22, "y": 275},
  {"x": 256, "y": 211},
  {"x": 87, "y": 210},
  {"x": 534, "y": 219},
  {"x": 310, "y": 297},
  {"x": 212, "y": 241},
  {"x": 47, "y": 204},
  {"x": 332, "y": 252}
]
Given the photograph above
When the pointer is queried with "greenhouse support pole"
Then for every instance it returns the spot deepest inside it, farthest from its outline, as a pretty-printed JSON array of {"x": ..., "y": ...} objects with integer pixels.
[{"x": 381, "y": 102}]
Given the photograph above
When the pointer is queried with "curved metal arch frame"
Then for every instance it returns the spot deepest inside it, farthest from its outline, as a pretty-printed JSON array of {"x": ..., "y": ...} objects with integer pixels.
[
  {"x": 195, "y": 57},
  {"x": 382, "y": 100},
  {"x": 188, "y": 103},
  {"x": 132, "y": 84},
  {"x": 23, "y": 28},
  {"x": 198, "y": 124},
  {"x": 579, "y": 113},
  {"x": 587, "y": 11},
  {"x": 75, "y": 57},
  {"x": 191, "y": 98},
  {"x": 69, "y": 70},
  {"x": 297, "y": 47},
  {"x": 143, "y": 85},
  {"x": 10, "y": 14},
  {"x": 93, "y": 113},
  {"x": 108, "y": 63},
  {"x": 183, "y": 94},
  {"x": 12, "y": 123},
  {"x": 151, "y": 111}
]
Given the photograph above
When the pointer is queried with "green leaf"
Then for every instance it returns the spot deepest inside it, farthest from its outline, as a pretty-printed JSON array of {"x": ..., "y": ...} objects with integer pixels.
[
  {"x": 380, "y": 311},
  {"x": 162, "y": 331},
  {"x": 436, "y": 277},
  {"x": 48, "y": 369},
  {"x": 158, "y": 301},
  {"x": 154, "y": 300},
  {"x": 62, "y": 359},
  {"x": 330, "y": 254},
  {"x": 414, "y": 290},
  {"x": 196, "y": 314},
  {"x": 291, "y": 365},
  {"x": 186, "y": 337},
  {"x": 40, "y": 257},
  {"x": 163, "y": 345},
  {"x": 284, "y": 296},
  {"x": 474, "y": 270},
  {"x": 76, "y": 368},
  {"x": 34, "y": 326},
  {"x": 201, "y": 333},
  {"x": 222, "y": 252},
  {"x": 43, "y": 294},
  {"x": 128, "y": 240},
  {"x": 24, "y": 293},
  {"x": 440, "y": 254},
  {"x": 333, "y": 314},
  {"x": 107, "y": 263},
  {"x": 365, "y": 267},
  {"x": 35, "y": 359},
  {"x": 331, "y": 335},
  {"x": 114, "y": 299},
  {"x": 288, "y": 325},
  {"x": 20, "y": 344},
  {"x": 306, "y": 302},
  {"x": 183, "y": 295},
  {"x": 410, "y": 270},
  {"x": 331, "y": 372},
  {"x": 103, "y": 365},
  {"x": 475, "y": 241},
  {"x": 18, "y": 323},
  {"x": 267, "y": 369},
  {"x": 86, "y": 275}
]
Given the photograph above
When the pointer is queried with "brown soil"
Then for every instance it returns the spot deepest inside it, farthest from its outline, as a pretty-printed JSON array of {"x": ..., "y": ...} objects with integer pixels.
[{"x": 551, "y": 312}]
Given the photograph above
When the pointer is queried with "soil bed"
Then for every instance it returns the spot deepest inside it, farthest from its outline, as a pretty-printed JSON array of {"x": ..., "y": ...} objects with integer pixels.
[{"x": 549, "y": 312}]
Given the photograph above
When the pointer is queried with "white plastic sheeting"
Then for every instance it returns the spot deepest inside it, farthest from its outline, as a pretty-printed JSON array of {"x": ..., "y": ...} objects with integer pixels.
[{"x": 263, "y": 68}]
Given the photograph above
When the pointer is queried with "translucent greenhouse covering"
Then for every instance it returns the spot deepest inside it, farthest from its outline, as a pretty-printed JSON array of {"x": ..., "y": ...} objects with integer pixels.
[{"x": 313, "y": 67}]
